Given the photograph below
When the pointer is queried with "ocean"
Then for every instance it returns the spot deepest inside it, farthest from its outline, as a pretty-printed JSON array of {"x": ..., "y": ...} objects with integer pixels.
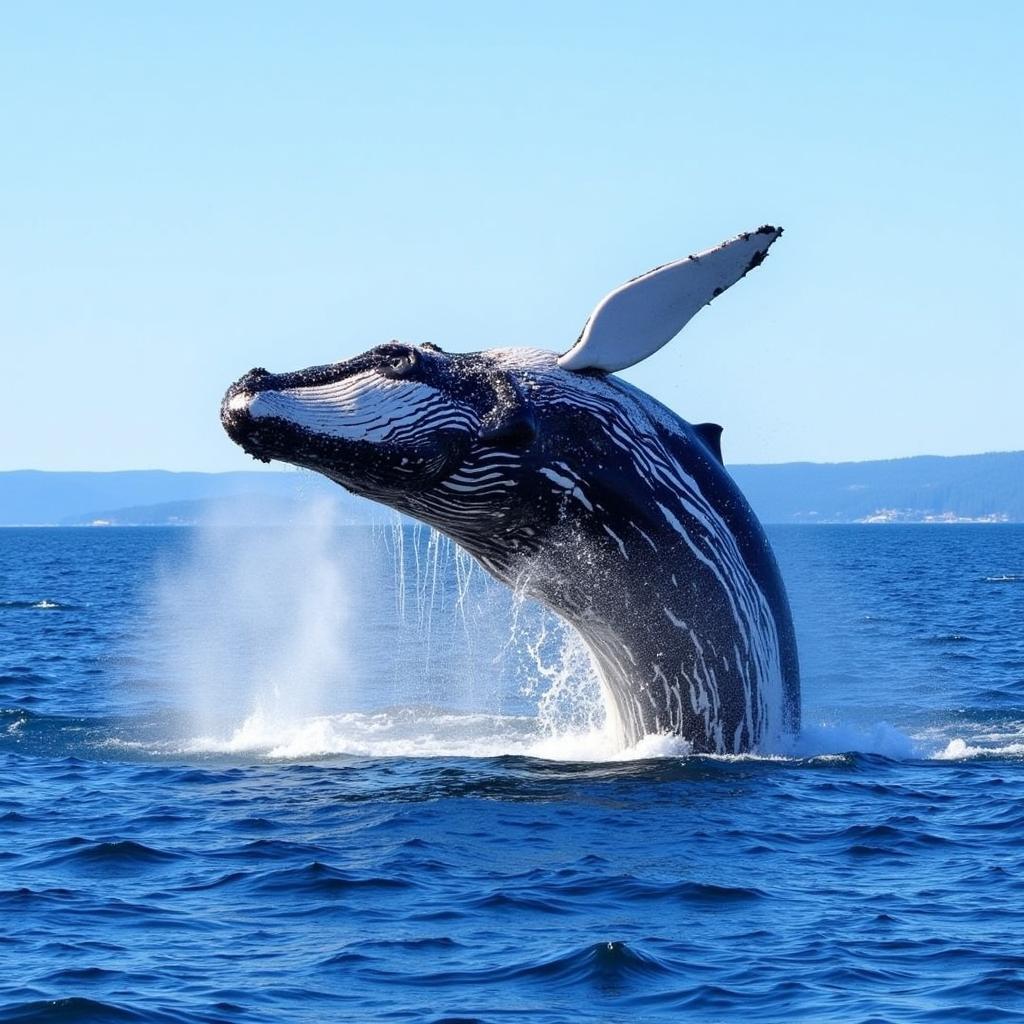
[{"x": 321, "y": 773}]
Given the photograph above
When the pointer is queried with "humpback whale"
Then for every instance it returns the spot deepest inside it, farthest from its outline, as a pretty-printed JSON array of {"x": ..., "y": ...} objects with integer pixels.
[{"x": 575, "y": 488}]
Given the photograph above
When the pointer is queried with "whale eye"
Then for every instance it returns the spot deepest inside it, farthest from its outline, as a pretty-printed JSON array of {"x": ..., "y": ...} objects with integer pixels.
[{"x": 400, "y": 365}]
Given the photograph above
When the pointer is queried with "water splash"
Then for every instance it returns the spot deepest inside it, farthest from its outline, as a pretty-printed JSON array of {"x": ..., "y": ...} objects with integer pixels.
[
  {"x": 820, "y": 739},
  {"x": 308, "y": 640},
  {"x": 254, "y": 622},
  {"x": 574, "y": 716}
]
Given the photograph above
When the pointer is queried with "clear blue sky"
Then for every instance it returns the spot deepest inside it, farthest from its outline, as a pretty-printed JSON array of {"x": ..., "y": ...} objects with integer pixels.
[{"x": 191, "y": 189}]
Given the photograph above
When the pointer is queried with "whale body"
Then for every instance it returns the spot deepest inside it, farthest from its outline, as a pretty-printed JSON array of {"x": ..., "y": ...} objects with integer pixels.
[{"x": 577, "y": 489}]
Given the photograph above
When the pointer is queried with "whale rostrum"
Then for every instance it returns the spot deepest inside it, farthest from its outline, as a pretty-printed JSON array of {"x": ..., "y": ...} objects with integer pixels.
[{"x": 575, "y": 488}]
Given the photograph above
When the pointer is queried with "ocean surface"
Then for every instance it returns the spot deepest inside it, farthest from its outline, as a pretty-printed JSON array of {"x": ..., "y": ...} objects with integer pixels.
[{"x": 318, "y": 774}]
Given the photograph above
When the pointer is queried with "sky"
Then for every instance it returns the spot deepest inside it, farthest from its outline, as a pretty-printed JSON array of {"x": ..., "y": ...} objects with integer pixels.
[{"x": 188, "y": 190}]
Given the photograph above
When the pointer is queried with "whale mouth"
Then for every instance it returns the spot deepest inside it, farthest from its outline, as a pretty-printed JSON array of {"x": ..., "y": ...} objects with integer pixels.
[
  {"x": 367, "y": 423},
  {"x": 352, "y": 401},
  {"x": 256, "y": 419}
]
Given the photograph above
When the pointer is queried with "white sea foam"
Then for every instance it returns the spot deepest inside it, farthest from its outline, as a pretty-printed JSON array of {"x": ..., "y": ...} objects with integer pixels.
[
  {"x": 938, "y": 742},
  {"x": 424, "y": 733},
  {"x": 959, "y": 749},
  {"x": 431, "y": 732},
  {"x": 405, "y": 733},
  {"x": 434, "y": 732},
  {"x": 817, "y": 739}
]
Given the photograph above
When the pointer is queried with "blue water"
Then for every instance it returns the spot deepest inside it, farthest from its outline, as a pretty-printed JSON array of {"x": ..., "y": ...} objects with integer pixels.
[{"x": 266, "y": 776}]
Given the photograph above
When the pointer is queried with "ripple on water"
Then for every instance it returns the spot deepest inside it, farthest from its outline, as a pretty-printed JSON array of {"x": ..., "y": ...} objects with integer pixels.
[
  {"x": 113, "y": 854},
  {"x": 82, "y": 1010}
]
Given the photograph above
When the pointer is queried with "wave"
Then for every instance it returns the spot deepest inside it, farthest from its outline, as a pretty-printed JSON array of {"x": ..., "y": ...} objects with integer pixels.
[
  {"x": 318, "y": 878},
  {"x": 602, "y": 964},
  {"x": 81, "y": 1010},
  {"x": 43, "y": 604},
  {"x": 116, "y": 854}
]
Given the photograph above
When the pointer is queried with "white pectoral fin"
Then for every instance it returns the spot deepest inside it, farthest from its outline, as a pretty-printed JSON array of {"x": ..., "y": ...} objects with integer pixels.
[{"x": 636, "y": 319}]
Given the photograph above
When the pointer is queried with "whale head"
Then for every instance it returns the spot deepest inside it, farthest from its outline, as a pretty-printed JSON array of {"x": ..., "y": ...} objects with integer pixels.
[{"x": 394, "y": 424}]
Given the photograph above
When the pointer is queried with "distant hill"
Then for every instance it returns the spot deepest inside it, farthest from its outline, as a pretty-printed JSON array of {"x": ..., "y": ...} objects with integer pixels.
[
  {"x": 158, "y": 497},
  {"x": 927, "y": 488},
  {"x": 245, "y": 509},
  {"x": 974, "y": 488}
]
